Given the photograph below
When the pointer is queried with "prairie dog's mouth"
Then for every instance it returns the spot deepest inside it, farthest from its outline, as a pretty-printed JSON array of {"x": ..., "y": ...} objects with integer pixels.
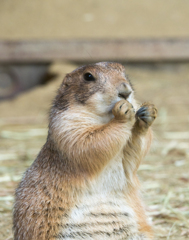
[{"x": 124, "y": 95}]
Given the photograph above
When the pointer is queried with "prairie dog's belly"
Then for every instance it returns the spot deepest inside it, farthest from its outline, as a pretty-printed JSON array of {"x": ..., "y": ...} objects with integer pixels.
[
  {"x": 100, "y": 218},
  {"x": 103, "y": 212}
]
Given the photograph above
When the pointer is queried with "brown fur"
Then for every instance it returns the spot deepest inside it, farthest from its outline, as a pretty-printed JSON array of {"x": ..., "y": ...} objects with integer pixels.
[{"x": 81, "y": 142}]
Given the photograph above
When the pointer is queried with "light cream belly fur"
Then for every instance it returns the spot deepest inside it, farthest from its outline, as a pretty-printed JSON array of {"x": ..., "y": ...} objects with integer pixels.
[{"x": 103, "y": 212}]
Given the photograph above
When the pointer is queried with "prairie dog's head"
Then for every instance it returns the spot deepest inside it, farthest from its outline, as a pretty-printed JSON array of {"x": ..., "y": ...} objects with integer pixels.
[{"x": 97, "y": 87}]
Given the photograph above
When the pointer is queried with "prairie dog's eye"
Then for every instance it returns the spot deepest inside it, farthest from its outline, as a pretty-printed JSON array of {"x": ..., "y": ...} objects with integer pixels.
[{"x": 89, "y": 77}]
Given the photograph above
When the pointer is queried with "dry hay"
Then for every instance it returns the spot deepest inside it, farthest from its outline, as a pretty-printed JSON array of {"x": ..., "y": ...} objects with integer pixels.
[{"x": 164, "y": 172}]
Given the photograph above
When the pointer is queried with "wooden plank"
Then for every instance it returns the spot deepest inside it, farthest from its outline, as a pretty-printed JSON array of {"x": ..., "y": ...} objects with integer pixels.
[{"x": 95, "y": 50}]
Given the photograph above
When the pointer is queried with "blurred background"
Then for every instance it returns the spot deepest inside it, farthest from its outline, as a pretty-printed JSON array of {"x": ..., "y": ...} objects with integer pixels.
[{"x": 41, "y": 41}]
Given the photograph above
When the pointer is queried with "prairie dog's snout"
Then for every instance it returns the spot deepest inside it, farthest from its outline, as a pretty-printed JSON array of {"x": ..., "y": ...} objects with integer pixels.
[{"x": 124, "y": 90}]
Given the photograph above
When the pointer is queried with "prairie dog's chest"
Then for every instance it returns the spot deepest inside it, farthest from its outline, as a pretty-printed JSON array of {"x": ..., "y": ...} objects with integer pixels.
[
  {"x": 103, "y": 211},
  {"x": 112, "y": 178}
]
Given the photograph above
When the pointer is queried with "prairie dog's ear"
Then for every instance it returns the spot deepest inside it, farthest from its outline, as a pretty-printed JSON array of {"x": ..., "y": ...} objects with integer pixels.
[{"x": 67, "y": 80}]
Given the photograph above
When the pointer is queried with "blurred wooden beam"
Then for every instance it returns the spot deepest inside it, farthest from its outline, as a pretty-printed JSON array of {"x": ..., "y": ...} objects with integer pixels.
[{"x": 131, "y": 50}]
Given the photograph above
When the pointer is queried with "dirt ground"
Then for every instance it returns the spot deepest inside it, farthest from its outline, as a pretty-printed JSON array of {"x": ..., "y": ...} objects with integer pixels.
[
  {"x": 164, "y": 172},
  {"x": 23, "y": 120}
]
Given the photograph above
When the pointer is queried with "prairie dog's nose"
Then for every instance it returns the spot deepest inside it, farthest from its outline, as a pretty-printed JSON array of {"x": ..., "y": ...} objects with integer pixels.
[{"x": 124, "y": 90}]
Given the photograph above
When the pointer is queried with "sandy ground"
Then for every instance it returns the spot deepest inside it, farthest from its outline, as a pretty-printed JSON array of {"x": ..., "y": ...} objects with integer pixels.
[{"x": 164, "y": 172}]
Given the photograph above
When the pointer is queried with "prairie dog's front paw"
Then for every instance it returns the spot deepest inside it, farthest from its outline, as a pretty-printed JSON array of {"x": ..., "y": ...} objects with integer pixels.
[
  {"x": 146, "y": 115},
  {"x": 123, "y": 110}
]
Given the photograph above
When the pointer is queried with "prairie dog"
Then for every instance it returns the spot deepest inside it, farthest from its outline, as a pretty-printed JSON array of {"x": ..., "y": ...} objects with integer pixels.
[{"x": 83, "y": 184}]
